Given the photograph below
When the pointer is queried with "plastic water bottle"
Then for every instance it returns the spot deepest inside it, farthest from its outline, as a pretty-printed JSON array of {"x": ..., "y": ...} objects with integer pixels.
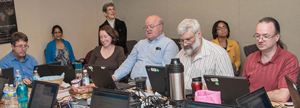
[
  {"x": 86, "y": 79},
  {"x": 36, "y": 75},
  {"x": 12, "y": 96},
  {"x": 18, "y": 78},
  {"x": 5, "y": 95},
  {"x": 22, "y": 92},
  {"x": 78, "y": 71}
]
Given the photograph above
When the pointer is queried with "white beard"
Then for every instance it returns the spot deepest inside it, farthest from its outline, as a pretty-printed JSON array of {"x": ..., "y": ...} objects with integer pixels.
[{"x": 194, "y": 47}]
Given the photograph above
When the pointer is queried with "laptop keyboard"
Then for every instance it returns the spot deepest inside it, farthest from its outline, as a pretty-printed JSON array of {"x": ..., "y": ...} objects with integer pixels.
[{"x": 122, "y": 86}]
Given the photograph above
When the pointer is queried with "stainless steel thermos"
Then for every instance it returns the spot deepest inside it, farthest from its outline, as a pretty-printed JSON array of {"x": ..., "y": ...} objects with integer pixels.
[{"x": 176, "y": 78}]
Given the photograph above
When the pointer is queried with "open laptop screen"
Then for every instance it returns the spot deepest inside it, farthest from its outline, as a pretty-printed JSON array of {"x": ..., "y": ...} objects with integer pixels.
[
  {"x": 194, "y": 104},
  {"x": 231, "y": 87},
  {"x": 159, "y": 79},
  {"x": 256, "y": 99},
  {"x": 44, "y": 70},
  {"x": 108, "y": 98},
  {"x": 9, "y": 73},
  {"x": 43, "y": 95}
]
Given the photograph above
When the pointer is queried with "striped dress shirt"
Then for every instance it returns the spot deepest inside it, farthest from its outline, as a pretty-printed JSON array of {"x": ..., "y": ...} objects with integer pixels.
[{"x": 212, "y": 60}]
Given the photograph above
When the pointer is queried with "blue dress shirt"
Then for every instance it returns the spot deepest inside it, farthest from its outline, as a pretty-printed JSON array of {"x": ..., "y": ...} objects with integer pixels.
[
  {"x": 25, "y": 67},
  {"x": 159, "y": 52}
]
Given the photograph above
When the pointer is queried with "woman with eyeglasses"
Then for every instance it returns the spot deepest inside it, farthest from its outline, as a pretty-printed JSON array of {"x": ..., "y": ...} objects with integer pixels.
[
  {"x": 108, "y": 54},
  {"x": 59, "y": 49},
  {"x": 221, "y": 32}
]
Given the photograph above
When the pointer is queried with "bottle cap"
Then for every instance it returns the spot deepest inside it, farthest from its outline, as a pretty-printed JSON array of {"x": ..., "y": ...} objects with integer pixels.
[
  {"x": 84, "y": 70},
  {"x": 78, "y": 66},
  {"x": 196, "y": 79}
]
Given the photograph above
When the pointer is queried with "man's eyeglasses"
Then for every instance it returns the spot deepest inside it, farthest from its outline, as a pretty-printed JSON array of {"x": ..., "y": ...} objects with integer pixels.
[
  {"x": 21, "y": 46},
  {"x": 265, "y": 37},
  {"x": 188, "y": 40},
  {"x": 151, "y": 26}
]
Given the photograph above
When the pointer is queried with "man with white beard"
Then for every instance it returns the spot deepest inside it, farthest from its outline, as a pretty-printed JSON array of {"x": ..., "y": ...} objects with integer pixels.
[{"x": 200, "y": 56}]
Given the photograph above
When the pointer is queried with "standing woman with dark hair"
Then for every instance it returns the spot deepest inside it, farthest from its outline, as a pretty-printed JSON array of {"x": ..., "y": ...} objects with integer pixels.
[
  {"x": 59, "y": 49},
  {"x": 221, "y": 32},
  {"x": 108, "y": 54}
]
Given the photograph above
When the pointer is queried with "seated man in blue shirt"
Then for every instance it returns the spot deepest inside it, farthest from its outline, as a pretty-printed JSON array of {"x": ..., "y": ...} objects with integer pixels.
[
  {"x": 18, "y": 59},
  {"x": 156, "y": 49}
]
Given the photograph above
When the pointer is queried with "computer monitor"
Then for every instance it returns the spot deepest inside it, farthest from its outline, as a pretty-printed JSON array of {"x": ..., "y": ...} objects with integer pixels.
[
  {"x": 67, "y": 69},
  {"x": 3, "y": 81},
  {"x": 9, "y": 73},
  {"x": 194, "y": 104},
  {"x": 108, "y": 98},
  {"x": 102, "y": 78},
  {"x": 43, "y": 95},
  {"x": 159, "y": 79},
  {"x": 294, "y": 91},
  {"x": 44, "y": 70},
  {"x": 256, "y": 99},
  {"x": 230, "y": 87}
]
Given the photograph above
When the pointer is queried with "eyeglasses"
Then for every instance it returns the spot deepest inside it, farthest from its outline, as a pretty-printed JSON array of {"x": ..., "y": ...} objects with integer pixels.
[
  {"x": 151, "y": 26},
  {"x": 265, "y": 37},
  {"x": 188, "y": 40},
  {"x": 56, "y": 32},
  {"x": 219, "y": 28},
  {"x": 110, "y": 9},
  {"x": 21, "y": 46}
]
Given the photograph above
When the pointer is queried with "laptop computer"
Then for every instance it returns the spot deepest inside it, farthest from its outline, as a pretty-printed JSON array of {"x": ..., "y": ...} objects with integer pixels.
[
  {"x": 59, "y": 69},
  {"x": 44, "y": 70},
  {"x": 107, "y": 98},
  {"x": 195, "y": 104},
  {"x": 159, "y": 79},
  {"x": 3, "y": 81},
  {"x": 102, "y": 78},
  {"x": 256, "y": 99},
  {"x": 43, "y": 95},
  {"x": 9, "y": 73},
  {"x": 230, "y": 87},
  {"x": 294, "y": 91}
]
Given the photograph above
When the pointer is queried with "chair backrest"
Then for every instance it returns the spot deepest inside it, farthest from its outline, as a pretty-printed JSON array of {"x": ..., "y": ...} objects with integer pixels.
[
  {"x": 130, "y": 44},
  {"x": 250, "y": 49},
  {"x": 88, "y": 56},
  {"x": 177, "y": 43}
]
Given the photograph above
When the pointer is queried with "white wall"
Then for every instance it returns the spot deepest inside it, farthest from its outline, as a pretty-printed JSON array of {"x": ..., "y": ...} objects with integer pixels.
[
  {"x": 79, "y": 20},
  {"x": 241, "y": 15}
]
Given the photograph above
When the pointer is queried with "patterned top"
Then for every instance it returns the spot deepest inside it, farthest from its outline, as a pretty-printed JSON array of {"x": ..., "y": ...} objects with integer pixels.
[
  {"x": 63, "y": 56},
  {"x": 211, "y": 60}
]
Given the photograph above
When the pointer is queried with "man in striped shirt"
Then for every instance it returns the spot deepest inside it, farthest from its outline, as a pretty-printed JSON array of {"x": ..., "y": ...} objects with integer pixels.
[
  {"x": 200, "y": 56},
  {"x": 267, "y": 67}
]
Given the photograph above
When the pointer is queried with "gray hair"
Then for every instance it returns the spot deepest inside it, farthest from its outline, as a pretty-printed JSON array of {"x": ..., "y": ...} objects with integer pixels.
[{"x": 187, "y": 24}]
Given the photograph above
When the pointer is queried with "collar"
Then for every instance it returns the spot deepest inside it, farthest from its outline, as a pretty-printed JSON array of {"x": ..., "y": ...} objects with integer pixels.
[
  {"x": 157, "y": 39},
  {"x": 274, "y": 58},
  {"x": 12, "y": 56},
  {"x": 111, "y": 22},
  {"x": 229, "y": 44}
]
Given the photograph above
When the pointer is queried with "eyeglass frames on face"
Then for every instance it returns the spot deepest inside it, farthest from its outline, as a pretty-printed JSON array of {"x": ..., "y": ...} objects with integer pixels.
[
  {"x": 151, "y": 26},
  {"x": 265, "y": 37},
  {"x": 21, "y": 46}
]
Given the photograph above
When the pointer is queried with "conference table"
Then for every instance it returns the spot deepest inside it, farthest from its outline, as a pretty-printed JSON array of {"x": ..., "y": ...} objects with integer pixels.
[{"x": 277, "y": 104}]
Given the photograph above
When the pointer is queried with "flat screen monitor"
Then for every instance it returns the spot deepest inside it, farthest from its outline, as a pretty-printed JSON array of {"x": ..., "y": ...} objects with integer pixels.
[
  {"x": 108, "y": 98},
  {"x": 256, "y": 99},
  {"x": 43, "y": 95}
]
